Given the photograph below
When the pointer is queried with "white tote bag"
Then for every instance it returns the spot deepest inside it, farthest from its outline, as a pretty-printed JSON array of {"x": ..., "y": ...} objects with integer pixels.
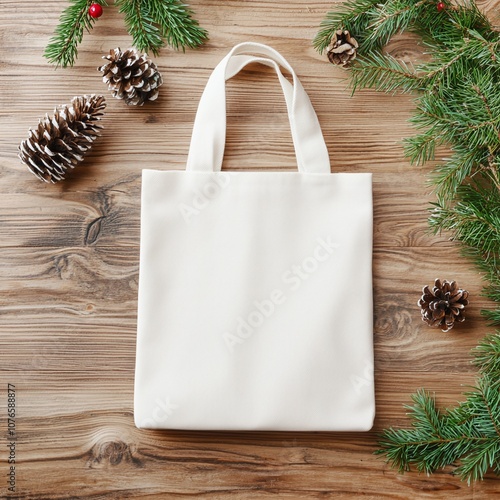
[{"x": 255, "y": 288}]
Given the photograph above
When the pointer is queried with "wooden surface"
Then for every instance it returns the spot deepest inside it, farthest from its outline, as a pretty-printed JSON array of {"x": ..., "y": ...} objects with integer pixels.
[{"x": 69, "y": 256}]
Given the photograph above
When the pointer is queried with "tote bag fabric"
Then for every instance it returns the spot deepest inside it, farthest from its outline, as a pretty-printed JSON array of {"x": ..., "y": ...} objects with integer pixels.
[{"x": 255, "y": 288}]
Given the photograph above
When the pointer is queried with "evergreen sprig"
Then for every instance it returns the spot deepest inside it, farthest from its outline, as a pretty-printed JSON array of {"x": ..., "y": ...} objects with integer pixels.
[
  {"x": 457, "y": 105},
  {"x": 151, "y": 23},
  {"x": 469, "y": 433},
  {"x": 487, "y": 358},
  {"x": 62, "y": 49}
]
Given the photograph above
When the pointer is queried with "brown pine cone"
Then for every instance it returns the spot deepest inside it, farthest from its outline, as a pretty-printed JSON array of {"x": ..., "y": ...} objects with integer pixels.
[
  {"x": 61, "y": 141},
  {"x": 131, "y": 76},
  {"x": 443, "y": 305},
  {"x": 342, "y": 48}
]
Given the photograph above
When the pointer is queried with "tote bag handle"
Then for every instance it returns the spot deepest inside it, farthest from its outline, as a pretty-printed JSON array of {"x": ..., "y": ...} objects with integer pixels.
[{"x": 206, "y": 151}]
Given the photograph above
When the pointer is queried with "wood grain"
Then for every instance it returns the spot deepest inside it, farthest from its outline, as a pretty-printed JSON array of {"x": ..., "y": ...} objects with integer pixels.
[{"x": 69, "y": 259}]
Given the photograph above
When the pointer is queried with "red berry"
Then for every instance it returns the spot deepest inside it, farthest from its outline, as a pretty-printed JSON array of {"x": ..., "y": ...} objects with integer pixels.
[
  {"x": 95, "y": 10},
  {"x": 441, "y": 6}
]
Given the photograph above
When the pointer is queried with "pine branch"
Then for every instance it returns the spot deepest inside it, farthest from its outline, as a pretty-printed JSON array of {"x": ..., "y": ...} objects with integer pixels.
[
  {"x": 483, "y": 408},
  {"x": 391, "y": 18},
  {"x": 459, "y": 105},
  {"x": 459, "y": 22},
  {"x": 145, "y": 34},
  {"x": 463, "y": 114},
  {"x": 474, "y": 219},
  {"x": 62, "y": 48},
  {"x": 151, "y": 23},
  {"x": 435, "y": 440},
  {"x": 469, "y": 433},
  {"x": 422, "y": 147},
  {"x": 466, "y": 18},
  {"x": 177, "y": 24},
  {"x": 444, "y": 67},
  {"x": 449, "y": 176},
  {"x": 383, "y": 72},
  {"x": 487, "y": 356},
  {"x": 488, "y": 264}
]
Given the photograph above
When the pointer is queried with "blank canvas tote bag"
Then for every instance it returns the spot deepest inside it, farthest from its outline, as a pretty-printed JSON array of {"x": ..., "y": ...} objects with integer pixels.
[{"x": 255, "y": 288}]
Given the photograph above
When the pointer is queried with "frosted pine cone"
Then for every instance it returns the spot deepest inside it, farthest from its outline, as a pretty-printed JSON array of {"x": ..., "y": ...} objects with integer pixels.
[
  {"x": 443, "y": 305},
  {"x": 61, "y": 141},
  {"x": 131, "y": 76}
]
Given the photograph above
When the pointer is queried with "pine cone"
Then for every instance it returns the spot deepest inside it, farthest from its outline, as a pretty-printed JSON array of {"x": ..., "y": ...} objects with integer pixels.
[
  {"x": 131, "y": 76},
  {"x": 61, "y": 141},
  {"x": 342, "y": 48},
  {"x": 443, "y": 305}
]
